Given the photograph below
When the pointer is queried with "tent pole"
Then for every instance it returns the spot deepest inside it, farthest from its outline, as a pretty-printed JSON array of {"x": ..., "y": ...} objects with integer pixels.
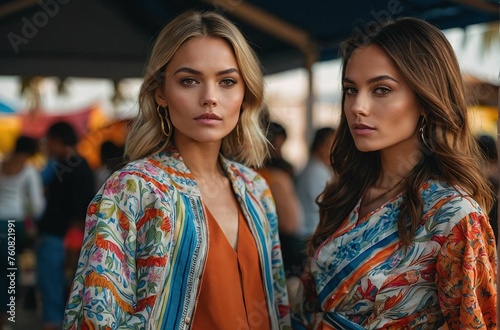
[
  {"x": 264, "y": 21},
  {"x": 311, "y": 56}
]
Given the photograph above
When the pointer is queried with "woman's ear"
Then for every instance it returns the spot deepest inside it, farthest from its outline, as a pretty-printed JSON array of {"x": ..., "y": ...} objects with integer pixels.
[
  {"x": 422, "y": 111},
  {"x": 160, "y": 98}
]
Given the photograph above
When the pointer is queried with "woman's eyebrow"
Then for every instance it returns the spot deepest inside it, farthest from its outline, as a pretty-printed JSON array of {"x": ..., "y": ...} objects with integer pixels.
[
  {"x": 196, "y": 72},
  {"x": 187, "y": 70},
  {"x": 371, "y": 80}
]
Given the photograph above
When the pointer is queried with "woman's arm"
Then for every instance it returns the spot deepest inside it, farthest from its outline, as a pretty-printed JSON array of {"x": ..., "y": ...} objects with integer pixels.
[
  {"x": 120, "y": 266},
  {"x": 466, "y": 275}
]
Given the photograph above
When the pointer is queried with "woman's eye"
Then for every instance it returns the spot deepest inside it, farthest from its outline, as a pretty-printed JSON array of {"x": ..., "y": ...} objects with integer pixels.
[
  {"x": 382, "y": 90},
  {"x": 188, "y": 81},
  {"x": 228, "y": 82},
  {"x": 349, "y": 90}
]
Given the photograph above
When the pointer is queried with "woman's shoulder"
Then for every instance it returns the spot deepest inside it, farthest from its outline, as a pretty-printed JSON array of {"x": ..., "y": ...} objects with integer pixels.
[
  {"x": 150, "y": 165},
  {"x": 434, "y": 190},
  {"x": 446, "y": 198},
  {"x": 161, "y": 172},
  {"x": 248, "y": 179},
  {"x": 248, "y": 174},
  {"x": 147, "y": 169},
  {"x": 236, "y": 165}
]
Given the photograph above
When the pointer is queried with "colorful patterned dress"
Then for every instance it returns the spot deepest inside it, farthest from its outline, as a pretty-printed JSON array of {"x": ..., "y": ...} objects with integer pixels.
[
  {"x": 361, "y": 278},
  {"x": 145, "y": 247}
]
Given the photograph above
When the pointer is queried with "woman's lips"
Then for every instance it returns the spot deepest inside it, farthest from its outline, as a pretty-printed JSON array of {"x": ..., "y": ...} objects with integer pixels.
[
  {"x": 208, "y": 118},
  {"x": 362, "y": 129}
]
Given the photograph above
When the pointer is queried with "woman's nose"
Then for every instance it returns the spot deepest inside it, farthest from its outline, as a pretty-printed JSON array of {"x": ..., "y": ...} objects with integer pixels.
[
  {"x": 358, "y": 104},
  {"x": 209, "y": 97}
]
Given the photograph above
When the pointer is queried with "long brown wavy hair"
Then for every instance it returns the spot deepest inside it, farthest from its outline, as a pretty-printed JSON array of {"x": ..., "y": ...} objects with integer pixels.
[{"x": 425, "y": 58}]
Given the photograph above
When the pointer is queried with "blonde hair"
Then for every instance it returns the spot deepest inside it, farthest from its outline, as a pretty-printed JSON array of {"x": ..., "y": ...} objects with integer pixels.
[{"x": 247, "y": 142}]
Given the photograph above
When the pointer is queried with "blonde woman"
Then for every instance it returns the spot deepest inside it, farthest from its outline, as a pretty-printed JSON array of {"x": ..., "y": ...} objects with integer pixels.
[
  {"x": 403, "y": 240},
  {"x": 183, "y": 237}
]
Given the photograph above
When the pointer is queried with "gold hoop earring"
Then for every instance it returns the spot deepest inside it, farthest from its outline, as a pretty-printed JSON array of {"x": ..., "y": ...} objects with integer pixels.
[
  {"x": 422, "y": 133},
  {"x": 163, "y": 120}
]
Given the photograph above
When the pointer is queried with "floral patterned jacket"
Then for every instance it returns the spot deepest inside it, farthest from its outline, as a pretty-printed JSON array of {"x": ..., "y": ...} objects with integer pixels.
[{"x": 145, "y": 247}]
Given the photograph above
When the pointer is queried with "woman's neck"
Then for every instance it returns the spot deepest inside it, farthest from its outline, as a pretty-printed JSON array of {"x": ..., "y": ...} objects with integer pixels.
[
  {"x": 388, "y": 179},
  {"x": 396, "y": 165},
  {"x": 202, "y": 160}
]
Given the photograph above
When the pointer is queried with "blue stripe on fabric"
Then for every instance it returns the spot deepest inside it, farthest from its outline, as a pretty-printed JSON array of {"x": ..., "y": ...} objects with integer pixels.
[
  {"x": 262, "y": 244},
  {"x": 339, "y": 322},
  {"x": 186, "y": 247},
  {"x": 354, "y": 264}
]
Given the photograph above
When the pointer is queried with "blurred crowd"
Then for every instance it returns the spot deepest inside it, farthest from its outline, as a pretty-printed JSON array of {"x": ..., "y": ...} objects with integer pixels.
[{"x": 44, "y": 209}]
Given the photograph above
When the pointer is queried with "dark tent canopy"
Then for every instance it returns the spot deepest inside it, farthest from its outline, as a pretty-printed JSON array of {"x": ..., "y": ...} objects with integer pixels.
[{"x": 111, "y": 38}]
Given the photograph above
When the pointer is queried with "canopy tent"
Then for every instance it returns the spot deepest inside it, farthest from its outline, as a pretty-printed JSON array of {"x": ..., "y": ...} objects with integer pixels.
[{"x": 111, "y": 39}]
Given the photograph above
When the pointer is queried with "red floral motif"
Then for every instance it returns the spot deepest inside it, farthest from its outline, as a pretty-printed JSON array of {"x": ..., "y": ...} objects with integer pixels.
[
  {"x": 370, "y": 292},
  {"x": 92, "y": 209}
]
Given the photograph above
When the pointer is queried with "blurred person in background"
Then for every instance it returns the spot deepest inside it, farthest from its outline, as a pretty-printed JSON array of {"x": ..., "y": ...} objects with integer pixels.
[
  {"x": 279, "y": 175},
  {"x": 488, "y": 147},
  {"x": 185, "y": 236},
  {"x": 404, "y": 240},
  {"x": 21, "y": 196},
  {"x": 314, "y": 177},
  {"x": 277, "y": 137},
  {"x": 68, "y": 194},
  {"x": 111, "y": 160}
]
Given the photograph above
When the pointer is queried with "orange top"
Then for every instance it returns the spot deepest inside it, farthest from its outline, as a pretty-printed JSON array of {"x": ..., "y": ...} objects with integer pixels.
[{"x": 232, "y": 293}]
